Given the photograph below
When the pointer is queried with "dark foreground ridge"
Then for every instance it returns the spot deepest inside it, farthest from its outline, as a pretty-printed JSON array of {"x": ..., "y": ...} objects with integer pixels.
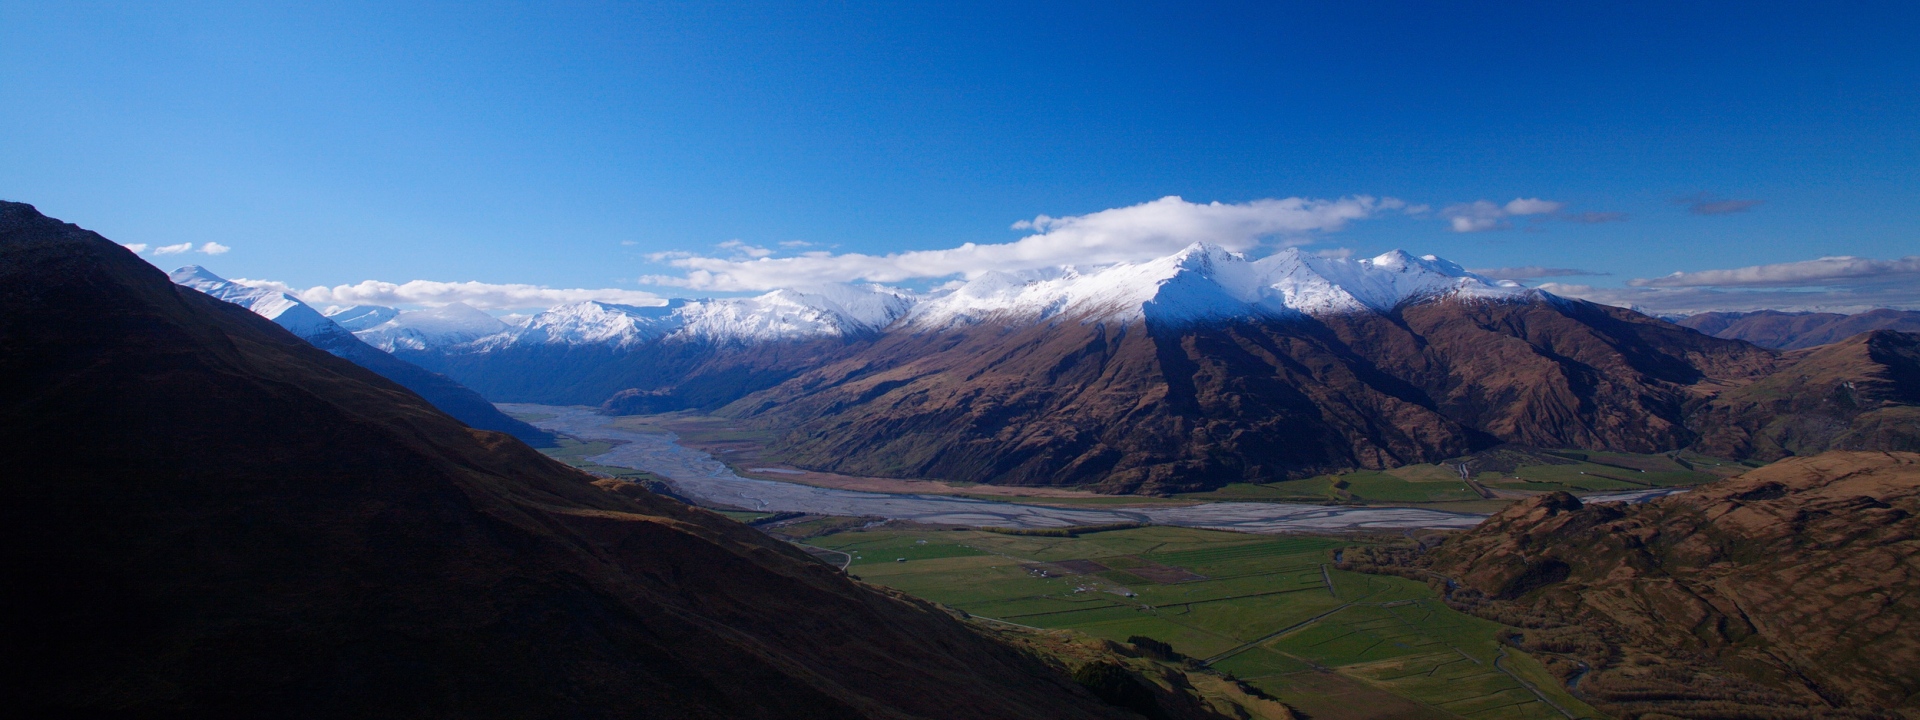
[{"x": 204, "y": 515}]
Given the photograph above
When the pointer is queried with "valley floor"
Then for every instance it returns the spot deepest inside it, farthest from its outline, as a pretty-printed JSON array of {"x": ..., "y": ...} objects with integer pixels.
[
  {"x": 1270, "y": 610},
  {"x": 699, "y": 476}
]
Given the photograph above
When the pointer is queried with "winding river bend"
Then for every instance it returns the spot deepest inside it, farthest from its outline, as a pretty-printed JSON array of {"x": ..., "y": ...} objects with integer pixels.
[{"x": 698, "y": 475}]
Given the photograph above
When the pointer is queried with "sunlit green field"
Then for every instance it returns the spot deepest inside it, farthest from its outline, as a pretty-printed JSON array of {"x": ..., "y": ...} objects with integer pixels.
[
  {"x": 1574, "y": 471},
  {"x": 1269, "y": 609}
]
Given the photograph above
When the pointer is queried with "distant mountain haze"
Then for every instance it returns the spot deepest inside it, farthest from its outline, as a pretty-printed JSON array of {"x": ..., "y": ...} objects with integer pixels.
[
  {"x": 1793, "y": 331},
  {"x": 207, "y": 516}
]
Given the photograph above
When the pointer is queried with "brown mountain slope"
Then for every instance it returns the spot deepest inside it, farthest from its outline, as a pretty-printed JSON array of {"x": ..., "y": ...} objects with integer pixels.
[
  {"x": 1860, "y": 394},
  {"x": 1134, "y": 408},
  {"x": 1792, "y": 331},
  {"x": 1790, "y": 591},
  {"x": 204, "y": 515}
]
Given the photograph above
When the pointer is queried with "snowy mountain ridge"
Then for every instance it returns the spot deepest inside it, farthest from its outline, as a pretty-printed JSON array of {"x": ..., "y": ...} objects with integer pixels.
[
  {"x": 285, "y": 310},
  {"x": 836, "y": 311},
  {"x": 1205, "y": 281},
  {"x": 450, "y": 324},
  {"x": 1198, "y": 283}
]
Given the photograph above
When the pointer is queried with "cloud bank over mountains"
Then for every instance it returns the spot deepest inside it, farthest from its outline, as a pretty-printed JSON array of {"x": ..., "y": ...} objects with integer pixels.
[
  {"x": 1128, "y": 234},
  {"x": 1159, "y": 228},
  {"x": 209, "y": 248},
  {"x": 1833, "y": 284},
  {"x": 486, "y": 296}
]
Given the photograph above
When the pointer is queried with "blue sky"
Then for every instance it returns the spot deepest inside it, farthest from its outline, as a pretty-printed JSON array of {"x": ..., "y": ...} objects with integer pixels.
[{"x": 570, "y": 144}]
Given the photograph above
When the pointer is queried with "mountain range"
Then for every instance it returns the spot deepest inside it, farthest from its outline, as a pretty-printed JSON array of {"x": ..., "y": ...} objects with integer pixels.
[
  {"x": 1185, "y": 372},
  {"x": 1794, "y": 331},
  {"x": 207, "y": 516},
  {"x": 324, "y": 333}
]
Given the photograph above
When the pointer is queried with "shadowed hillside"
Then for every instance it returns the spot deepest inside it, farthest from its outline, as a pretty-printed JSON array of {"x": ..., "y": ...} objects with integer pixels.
[{"x": 206, "y": 516}]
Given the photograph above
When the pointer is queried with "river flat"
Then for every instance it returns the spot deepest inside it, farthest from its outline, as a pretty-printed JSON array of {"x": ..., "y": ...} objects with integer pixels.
[{"x": 698, "y": 475}]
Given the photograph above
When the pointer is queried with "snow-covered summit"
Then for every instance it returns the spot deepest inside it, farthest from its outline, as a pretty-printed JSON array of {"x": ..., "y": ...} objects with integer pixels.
[
  {"x": 441, "y": 326},
  {"x": 834, "y": 311},
  {"x": 285, "y": 310},
  {"x": 1206, "y": 281},
  {"x": 362, "y": 317}
]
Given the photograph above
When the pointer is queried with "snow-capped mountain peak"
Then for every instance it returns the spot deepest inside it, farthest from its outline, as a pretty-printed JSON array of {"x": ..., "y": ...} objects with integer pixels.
[
  {"x": 449, "y": 324},
  {"x": 1206, "y": 281},
  {"x": 831, "y": 311},
  {"x": 285, "y": 310},
  {"x": 362, "y": 317},
  {"x": 1200, "y": 282}
]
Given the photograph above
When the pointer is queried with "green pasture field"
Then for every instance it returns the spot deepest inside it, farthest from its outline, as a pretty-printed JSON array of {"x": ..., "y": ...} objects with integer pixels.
[
  {"x": 1586, "y": 471},
  {"x": 1269, "y": 609},
  {"x": 743, "y": 516}
]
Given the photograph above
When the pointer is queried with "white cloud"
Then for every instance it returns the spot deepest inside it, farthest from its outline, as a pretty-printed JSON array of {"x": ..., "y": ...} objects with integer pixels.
[
  {"x": 1477, "y": 216},
  {"x": 795, "y": 243},
  {"x": 1339, "y": 253},
  {"x": 1842, "y": 270},
  {"x": 1532, "y": 206},
  {"x": 742, "y": 248},
  {"x": 137, "y": 248},
  {"x": 1832, "y": 284},
  {"x": 214, "y": 248},
  {"x": 1482, "y": 215},
  {"x": 486, "y": 296},
  {"x": 173, "y": 249},
  {"x": 1137, "y": 232}
]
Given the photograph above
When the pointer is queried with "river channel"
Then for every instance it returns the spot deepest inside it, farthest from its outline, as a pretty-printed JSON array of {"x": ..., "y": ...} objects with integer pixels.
[{"x": 697, "y": 475}]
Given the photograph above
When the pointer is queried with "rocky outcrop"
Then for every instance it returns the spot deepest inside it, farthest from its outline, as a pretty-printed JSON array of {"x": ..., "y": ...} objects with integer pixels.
[
  {"x": 205, "y": 516},
  {"x": 1790, "y": 591}
]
